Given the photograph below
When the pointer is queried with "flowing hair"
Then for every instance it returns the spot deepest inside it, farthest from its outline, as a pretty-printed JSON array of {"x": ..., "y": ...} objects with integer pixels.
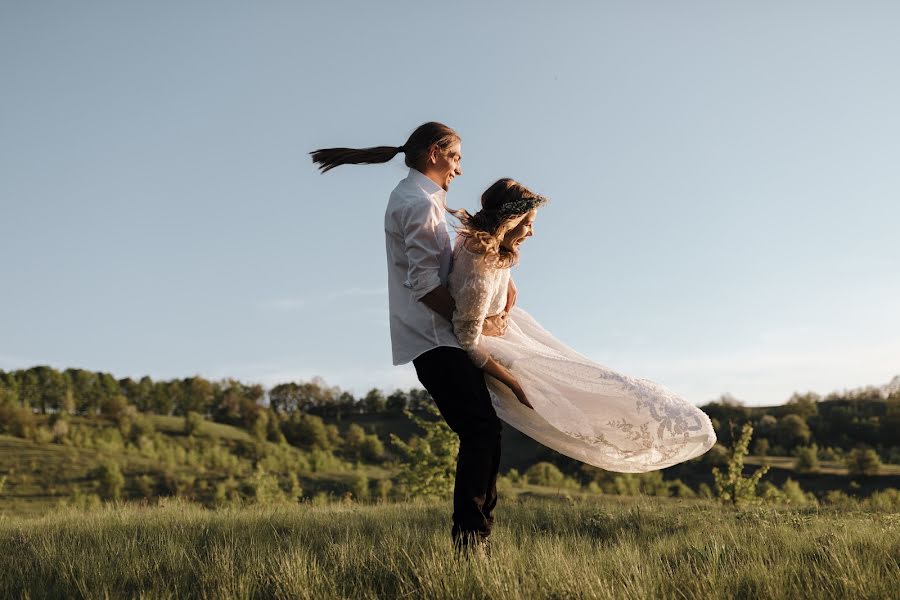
[
  {"x": 417, "y": 149},
  {"x": 503, "y": 205}
]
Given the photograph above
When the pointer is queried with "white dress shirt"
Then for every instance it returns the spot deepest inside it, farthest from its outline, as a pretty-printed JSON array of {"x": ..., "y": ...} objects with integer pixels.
[{"x": 419, "y": 256}]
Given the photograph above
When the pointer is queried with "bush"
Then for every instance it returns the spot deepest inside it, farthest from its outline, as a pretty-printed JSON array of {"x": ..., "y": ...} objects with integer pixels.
[
  {"x": 193, "y": 421},
  {"x": 358, "y": 445},
  {"x": 59, "y": 428},
  {"x": 263, "y": 488},
  {"x": 807, "y": 459},
  {"x": 888, "y": 499},
  {"x": 308, "y": 432},
  {"x": 544, "y": 473},
  {"x": 428, "y": 466},
  {"x": 863, "y": 462},
  {"x": 16, "y": 420},
  {"x": 794, "y": 494},
  {"x": 383, "y": 489},
  {"x": 733, "y": 486},
  {"x": 761, "y": 447},
  {"x": 359, "y": 486},
  {"x": 110, "y": 480},
  {"x": 114, "y": 407}
]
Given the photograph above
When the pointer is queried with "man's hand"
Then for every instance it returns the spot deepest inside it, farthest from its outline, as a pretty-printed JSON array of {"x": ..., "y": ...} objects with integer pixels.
[
  {"x": 511, "y": 295},
  {"x": 494, "y": 325}
]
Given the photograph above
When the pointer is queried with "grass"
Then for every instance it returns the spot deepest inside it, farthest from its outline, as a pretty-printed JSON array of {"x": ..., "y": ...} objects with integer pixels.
[{"x": 543, "y": 548}]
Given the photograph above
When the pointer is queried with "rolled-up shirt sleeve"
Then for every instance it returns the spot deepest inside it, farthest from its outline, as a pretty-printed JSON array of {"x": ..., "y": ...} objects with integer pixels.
[{"x": 423, "y": 247}]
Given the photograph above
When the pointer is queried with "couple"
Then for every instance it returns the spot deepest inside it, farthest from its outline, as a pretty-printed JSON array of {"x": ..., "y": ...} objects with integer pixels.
[{"x": 453, "y": 314}]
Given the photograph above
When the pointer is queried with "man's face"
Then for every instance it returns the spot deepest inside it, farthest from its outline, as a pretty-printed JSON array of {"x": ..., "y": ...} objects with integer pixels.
[{"x": 445, "y": 165}]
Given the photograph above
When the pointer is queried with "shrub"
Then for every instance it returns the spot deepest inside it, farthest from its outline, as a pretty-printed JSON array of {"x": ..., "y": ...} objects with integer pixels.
[
  {"x": 359, "y": 486},
  {"x": 193, "y": 421},
  {"x": 888, "y": 499},
  {"x": 838, "y": 498},
  {"x": 60, "y": 428},
  {"x": 679, "y": 489},
  {"x": 16, "y": 420},
  {"x": 761, "y": 447},
  {"x": 863, "y": 462},
  {"x": 308, "y": 432},
  {"x": 114, "y": 407},
  {"x": 110, "y": 480},
  {"x": 792, "y": 430},
  {"x": 794, "y": 494},
  {"x": 145, "y": 486},
  {"x": 544, "y": 473},
  {"x": 807, "y": 459},
  {"x": 262, "y": 488},
  {"x": 514, "y": 476},
  {"x": 358, "y": 445},
  {"x": 383, "y": 489},
  {"x": 428, "y": 465},
  {"x": 733, "y": 486},
  {"x": 41, "y": 435}
]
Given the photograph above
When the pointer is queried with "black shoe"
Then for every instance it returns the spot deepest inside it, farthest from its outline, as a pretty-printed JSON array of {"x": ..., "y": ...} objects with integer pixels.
[{"x": 472, "y": 545}]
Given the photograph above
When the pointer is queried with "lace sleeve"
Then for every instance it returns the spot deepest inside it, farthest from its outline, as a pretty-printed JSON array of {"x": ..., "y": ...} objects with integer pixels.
[{"x": 472, "y": 301}]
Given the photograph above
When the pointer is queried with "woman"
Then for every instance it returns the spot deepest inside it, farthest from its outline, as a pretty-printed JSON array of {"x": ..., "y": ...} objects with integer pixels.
[{"x": 539, "y": 385}]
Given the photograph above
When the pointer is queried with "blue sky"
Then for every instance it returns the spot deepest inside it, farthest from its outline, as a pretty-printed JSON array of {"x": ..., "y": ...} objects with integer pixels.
[{"x": 723, "y": 179}]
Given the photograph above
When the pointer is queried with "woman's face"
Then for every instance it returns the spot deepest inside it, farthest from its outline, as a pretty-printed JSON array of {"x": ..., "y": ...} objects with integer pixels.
[{"x": 523, "y": 229}]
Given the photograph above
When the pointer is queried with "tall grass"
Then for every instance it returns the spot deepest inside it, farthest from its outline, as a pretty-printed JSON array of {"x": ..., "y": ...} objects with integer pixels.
[{"x": 542, "y": 548}]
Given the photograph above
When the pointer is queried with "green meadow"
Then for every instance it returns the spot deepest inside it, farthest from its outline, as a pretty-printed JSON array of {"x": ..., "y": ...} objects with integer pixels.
[
  {"x": 543, "y": 547},
  {"x": 196, "y": 489}
]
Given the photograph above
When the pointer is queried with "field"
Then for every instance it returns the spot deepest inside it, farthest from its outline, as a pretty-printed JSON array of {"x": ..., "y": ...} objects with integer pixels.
[{"x": 543, "y": 547}]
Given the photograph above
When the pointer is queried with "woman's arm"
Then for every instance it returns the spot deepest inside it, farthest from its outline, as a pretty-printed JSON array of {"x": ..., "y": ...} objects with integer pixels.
[
  {"x": 472, "y": 301},
  {"x": 501, "y": 374}
]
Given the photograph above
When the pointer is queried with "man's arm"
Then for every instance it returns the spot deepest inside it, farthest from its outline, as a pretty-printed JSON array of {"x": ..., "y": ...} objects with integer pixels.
[{"x": 440, "y": 301}]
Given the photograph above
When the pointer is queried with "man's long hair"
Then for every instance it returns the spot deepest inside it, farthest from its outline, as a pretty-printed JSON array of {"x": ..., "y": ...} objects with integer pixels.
[{"x": 416, "y": 149}]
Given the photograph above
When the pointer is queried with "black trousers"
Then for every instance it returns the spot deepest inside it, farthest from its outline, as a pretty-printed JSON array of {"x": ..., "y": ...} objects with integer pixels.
[{"x": 462, "y": 397}]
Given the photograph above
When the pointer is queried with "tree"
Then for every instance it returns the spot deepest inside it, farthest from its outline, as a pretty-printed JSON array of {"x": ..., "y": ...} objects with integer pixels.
[
  {"x": 428, "y": 464},
  {"x": 792, "y": 431},
  {"x": 397, "y": 402},
  {"x": 804, "y": 405},
  {"x": 358, "y": 445},
  {"x": 733, "y": 486},
  {"x": 307, "y": 431},
  {"x": 374, "y": 402}
]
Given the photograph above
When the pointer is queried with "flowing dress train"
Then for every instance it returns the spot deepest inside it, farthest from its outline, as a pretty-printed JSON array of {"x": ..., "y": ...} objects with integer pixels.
[{"x": 581, "y": 409}]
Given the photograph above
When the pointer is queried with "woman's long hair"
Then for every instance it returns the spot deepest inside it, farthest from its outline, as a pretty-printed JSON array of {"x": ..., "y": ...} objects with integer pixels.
[
  {"x": 417, "y": 148},
  {"x": 503, "y": 205}
]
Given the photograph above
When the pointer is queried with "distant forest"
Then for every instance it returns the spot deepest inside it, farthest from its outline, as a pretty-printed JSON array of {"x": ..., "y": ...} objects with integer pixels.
[{"x": 836, "y": 424}]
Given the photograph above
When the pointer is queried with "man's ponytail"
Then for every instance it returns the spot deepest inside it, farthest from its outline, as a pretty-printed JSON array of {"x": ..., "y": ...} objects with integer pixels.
[{"x": 416, "y": 149}]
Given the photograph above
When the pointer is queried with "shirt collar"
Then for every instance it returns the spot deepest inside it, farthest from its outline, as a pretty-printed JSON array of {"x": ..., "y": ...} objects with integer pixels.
[{"x": 430, "y": 187}]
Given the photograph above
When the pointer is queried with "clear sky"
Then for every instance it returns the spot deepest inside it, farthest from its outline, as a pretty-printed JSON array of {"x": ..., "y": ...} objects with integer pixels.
[{"x": 724, "y": 182}]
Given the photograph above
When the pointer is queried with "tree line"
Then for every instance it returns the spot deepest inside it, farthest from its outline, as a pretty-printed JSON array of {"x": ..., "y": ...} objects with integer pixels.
[
  {"x": 833, "y": 425},
  {"x": 841, "y": 421},
  {"x": 47, "y": 390}
]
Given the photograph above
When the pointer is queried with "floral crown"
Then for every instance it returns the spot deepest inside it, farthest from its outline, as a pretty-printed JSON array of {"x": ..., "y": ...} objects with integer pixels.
[{"x": 520, "y": 207}]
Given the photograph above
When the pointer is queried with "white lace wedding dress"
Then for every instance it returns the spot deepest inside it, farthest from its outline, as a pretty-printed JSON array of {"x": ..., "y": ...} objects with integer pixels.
[{"x": 581, "y": 409}]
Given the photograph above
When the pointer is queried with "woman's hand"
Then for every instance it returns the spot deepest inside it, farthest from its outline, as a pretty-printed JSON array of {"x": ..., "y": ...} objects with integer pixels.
[
  {"x": 495, "y": 325},
  {"x": 502, "y": 374},
  {"x": 520, "y": 394}
]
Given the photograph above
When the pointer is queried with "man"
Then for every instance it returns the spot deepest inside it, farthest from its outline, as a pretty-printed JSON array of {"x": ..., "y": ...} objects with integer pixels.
[{"x": 419, "y": 255}]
